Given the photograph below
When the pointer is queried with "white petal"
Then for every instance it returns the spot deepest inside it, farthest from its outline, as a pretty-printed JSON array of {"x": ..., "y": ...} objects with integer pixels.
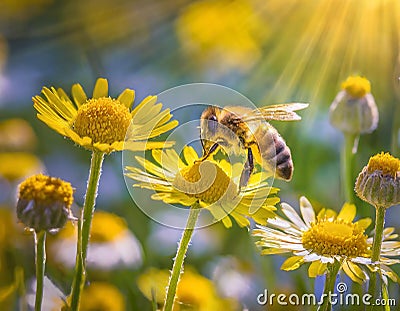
[
  {"x": 312, "y": 257},
  {"x": 279, "y": 223},
  {"x": 291, "y": 213},
  {"x": 327, "y": 259},
  {"x": 302, "y": 253},
  {"x": 362, "y": 260},
  {"x": 307, "y": 211}
]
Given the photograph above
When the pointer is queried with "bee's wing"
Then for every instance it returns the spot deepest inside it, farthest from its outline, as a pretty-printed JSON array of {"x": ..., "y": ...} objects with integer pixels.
[{"x": 281, "y": 112}]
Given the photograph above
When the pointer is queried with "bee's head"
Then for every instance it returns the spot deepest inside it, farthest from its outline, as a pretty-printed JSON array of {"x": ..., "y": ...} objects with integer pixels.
[
  {"x": 209, "y": 126},
  {"x": 209, "y": 121}
]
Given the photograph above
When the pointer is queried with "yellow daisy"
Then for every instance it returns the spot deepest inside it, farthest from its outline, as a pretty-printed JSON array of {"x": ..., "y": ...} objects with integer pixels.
[
  {"x": 214, "y": 186},
  {"x": 101, "y": 123},
  {"x": 194, "y": 291},
  {"x": 325, "y": 238}
]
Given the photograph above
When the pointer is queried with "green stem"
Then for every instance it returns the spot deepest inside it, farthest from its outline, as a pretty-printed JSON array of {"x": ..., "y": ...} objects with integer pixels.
[
  {"x": 180, "y": 257},
  {"x": 376, "y": 248},
  {"x": 84, "y": 225},
  {"x": 40, "y": 243},
  {"x": 347, "y": 167},
  {"x": 329, "y": 288}
]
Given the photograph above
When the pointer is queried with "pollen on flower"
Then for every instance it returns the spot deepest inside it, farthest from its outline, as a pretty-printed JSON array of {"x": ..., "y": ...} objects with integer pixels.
[
  {"x": 46, "y": 189},
  {"x": 336, "y": 238},
  {"x": 205, "y": 181},
  {"x": 44, "y": 202},
  {"x": 385, "y": 163},
  {"x": 104, "y": 120},
  {"x": 356, "y": 86}
]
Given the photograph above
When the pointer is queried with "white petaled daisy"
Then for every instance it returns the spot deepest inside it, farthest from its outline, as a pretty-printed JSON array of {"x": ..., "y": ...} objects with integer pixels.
[
  {"x": 211, "y": 184},
  {"x": 325, "y": 238},
  {"x": 111, "y": 245}
]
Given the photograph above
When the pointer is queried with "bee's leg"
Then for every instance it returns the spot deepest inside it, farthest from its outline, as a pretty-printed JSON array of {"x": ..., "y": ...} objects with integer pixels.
[
  {"x": 209, "y": 152},
  {"x": 247, "y": 170}
]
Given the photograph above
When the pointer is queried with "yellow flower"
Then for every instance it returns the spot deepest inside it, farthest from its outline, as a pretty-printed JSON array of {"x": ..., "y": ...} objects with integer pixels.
[
  {"x": 356, "y": 86},
  {"x": 112, "y": 244},
  {"x": 224, "y": 34},
  {"x": 321, "y": 239},
  {"x": 17, "y": 165},
  {"x": 379, "y": 182},
  {"x": 102, "y": 296},
  {"x": 44, "y": 202},
  {"x": 16, "y": 135},
  {"x": 194, "y": 291},
  {"x": 101, "y": 123},
  {"x": 209, "y": 183}
]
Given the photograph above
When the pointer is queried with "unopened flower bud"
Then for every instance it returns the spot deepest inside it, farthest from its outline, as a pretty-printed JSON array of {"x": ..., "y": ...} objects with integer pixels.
[
  {"x": 354, "y": 110},
  {"x": 44, "y": 202},
  {"x": 379, "y": 181}
]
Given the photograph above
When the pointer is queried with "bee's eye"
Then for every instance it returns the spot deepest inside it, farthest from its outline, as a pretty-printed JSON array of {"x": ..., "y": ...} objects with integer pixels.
[{"x": 212, "y": 123}]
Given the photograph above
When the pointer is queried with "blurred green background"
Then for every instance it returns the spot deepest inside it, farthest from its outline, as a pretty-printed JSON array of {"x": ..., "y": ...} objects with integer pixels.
[{"x": 270, "y": 51}]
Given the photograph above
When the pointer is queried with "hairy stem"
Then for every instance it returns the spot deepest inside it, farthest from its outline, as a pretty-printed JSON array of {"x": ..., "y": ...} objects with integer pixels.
[
  {"x": 180, "y": 257},
  {"x": 84, "y": 226},
  {"x": 376, "y": 249},
  {"x": 40, "y": 243}
]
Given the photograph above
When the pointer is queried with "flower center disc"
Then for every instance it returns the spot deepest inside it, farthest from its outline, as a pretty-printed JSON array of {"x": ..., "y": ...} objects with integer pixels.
[
  {"x": 336, "y": 238},
  {"x": 46, "y": 190},
  {"x": 203, "y": 180},
  {"x": 357, "y": 86},
  {"x": 384, "y": 162},
  {"x": 104, "y": 120}
]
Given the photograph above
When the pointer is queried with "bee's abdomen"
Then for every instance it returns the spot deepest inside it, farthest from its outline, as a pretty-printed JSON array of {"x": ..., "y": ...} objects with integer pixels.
[{"x": 274, "y": 152}]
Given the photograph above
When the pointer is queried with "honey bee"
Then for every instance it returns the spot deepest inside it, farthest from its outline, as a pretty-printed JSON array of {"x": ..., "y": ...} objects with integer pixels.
[{"x": 236, "y": 128}]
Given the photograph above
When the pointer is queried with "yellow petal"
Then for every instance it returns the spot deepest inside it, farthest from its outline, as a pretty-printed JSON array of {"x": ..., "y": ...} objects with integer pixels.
[
  {"x": 145, "y": 103},
  {"x": 292, "y": 263},
  {"x": 272, "y": 251},
  {"x": 220, "y": 215},
  {"x": 127, "y": 97},
  {"x": 227, "y": 222},
  {"x": 348, "y": 212},
  {"x": 355, "y": 273},
  {"x": 391, "y": 274},
  {"x": 190, "y": 155},
  {"x": 101, "y": 88},
  {"x": 78, "y": 94},
  {"x": 62, "y": 107},
  {"x": 328, "y": 213},
  {"x": 316, "y": 268},
  {"x": 147, "y": 145},
  {"x": 364, "y": 222},
  {"x": 163, "y": 129},
  {"x": 240, "y": 219}
]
